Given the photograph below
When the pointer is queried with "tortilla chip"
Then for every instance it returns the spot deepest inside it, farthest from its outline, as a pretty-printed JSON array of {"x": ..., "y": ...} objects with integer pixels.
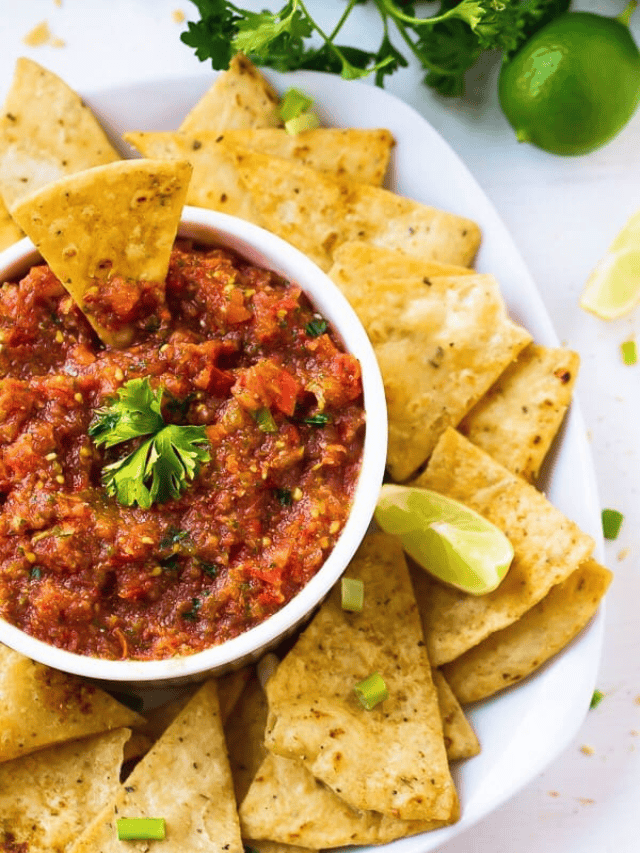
[
  {"x": 548, "y": 548},
  {"x": 244, "y": 734},
  {"x": 46, "y": 132},
  {"x": 357, "y": 259},
  {"x": 460, "y": 739},
  {"x": 215, "y": 183},
  {"x": 275, "y": 847},
  {"x": 440, "y": 344},
  {"x": 40, "y": 706},
  {"x": 240, "y": 98},
  {"x": 114, "y": 220},
  {"x": 359, "y": 154},
  {"x": 47, "y": 798},
  {"x": 391, "y": 759},
  {"x": 508, "y": 656},
  {"x": 318, "y": 213},
  {"x": 287, "y": 804},
  {"x": 185, "y": 779},
  {"x": 9, "y": 231},
  {"x": 519, "y": 416}
]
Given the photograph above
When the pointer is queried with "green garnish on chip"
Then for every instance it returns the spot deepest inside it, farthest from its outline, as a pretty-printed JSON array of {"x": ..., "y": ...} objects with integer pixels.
[
  {"x": 295, "y": 113},
  {"x": 596, "y": 699},
  {"x": 141, "y": 829},
  {"x": 162, "y": 467},
  {"x": 372, "y": 691},
  {"x": 629, "y": 352}
]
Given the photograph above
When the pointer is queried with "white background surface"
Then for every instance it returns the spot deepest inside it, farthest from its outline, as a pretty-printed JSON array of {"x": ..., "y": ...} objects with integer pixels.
[{"x": 562, "y": 214}]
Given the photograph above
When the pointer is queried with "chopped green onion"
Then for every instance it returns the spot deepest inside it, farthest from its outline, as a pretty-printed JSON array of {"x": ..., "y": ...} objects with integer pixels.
[
  {"x": 284, "y": 496},
  {"x": 596, "y": 699},
  {"x": 316, "y": 327},
  {"x": 294, "y": 102},
  {"x": 629, "y": 352},
  {"x": 372, "y": 690},
  {"x": 141, "y": 829},
  {"x": 265, "y": 420},
  {"x": 305, "y": 121},
  {"x": 352, "y": 594},
  {"x": 611, "y": 523}
]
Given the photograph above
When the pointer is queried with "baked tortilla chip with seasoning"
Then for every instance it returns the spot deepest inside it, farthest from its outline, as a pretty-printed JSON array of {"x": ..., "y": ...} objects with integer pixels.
[
  {"x": 40, "y": 706},
  {"x": 111, "y": 224},
  {"x": 288, "y": 804},
  {"x": 46, "y": 132},
  {"x": 547, "y": 545},
  {"x": 390, "y": 759},
  {"x": 509, "y": 655},
  {"x": 357, "y": 259},
  {"x": 241, "y": 97},
  {"x": 519, "y": 416},
  {"x": 358, "y": 154},
  {"x": 440, "y": 344},
  {"x": 47, "y": 798},
  {"x": 196, "y": 799},
  {"x": 460, "y": 739},
  {"x": 335, "y": 211}
]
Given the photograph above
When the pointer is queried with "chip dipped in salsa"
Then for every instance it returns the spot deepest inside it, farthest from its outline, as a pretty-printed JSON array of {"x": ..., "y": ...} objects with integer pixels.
[{"x": 254, "y": 423}]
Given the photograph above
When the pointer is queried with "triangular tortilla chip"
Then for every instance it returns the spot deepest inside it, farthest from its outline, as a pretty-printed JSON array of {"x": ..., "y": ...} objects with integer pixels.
[
  {"x": 440, "y": 343},
  {"x": 46, "y": 132},
  {"x": 317, "y": 213},
  {"x": 286, "y": 803},
  {"x": 357, "y": 154},
  {"x": 460, "y": 739},
  {"x": 390, "y": 759},
  {"x": 9, "y": 231},
  {"x": 184, "y": 779},
  {"x": 519, "y": 416},
  {"x": 240, "y": 97},
  {"x": 47, "y": 798},
  {"x": 356, "y": 258},
  {"x": 40, "y": 706},
  {"x": 114, "y": 220},
  {"x": 548, "y": 548},
  {"x": 508, "y": 656}
]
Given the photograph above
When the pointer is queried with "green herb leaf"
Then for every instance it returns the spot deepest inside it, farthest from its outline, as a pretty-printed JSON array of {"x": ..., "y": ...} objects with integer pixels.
[
  {"x": 316, "y": 327},
  {"x": 319, "y": 419},
  {"x": 162, "y": 466}
]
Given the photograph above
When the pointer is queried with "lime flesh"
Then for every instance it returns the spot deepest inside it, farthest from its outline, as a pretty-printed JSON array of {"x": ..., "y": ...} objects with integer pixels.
[
  {"x": 449, "y": 540},
  {"x": 573, "y": 85},
  {"x": 613, "y": 288}
]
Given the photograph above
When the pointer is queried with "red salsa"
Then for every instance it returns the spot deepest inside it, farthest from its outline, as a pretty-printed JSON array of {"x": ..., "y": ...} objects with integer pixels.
[{"x": 235, "y": 349}]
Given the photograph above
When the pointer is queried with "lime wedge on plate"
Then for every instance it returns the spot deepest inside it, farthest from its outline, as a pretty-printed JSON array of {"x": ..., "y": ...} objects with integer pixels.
[
  {"x": 613, "y": 288},
  {"x": 449, "y": 540}
]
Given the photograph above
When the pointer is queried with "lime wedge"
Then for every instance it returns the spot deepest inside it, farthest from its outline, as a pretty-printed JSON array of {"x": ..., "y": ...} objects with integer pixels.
[
  {"x": 448, "y": 539},
  {"x": 613, "y": 288}
]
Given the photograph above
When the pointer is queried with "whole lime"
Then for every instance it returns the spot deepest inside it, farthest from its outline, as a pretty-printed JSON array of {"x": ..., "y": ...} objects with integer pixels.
[{"x": 573, "y": 85}]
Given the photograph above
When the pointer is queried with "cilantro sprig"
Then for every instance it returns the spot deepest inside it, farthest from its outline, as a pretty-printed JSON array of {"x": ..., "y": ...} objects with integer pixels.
[
  {"x": 446, "y": 43},
  {"x": 162, "y": 467}
]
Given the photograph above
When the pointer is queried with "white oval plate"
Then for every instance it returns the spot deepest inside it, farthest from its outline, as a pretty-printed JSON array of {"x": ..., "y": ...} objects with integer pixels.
[{"x": 525, "y": 728}]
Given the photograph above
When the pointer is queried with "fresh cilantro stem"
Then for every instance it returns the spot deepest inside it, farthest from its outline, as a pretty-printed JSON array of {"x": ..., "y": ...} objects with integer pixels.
[{"x": 446, "y": 43}]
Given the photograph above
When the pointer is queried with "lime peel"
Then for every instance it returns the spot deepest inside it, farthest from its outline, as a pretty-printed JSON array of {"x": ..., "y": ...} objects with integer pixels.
[{"x": 446, "y": 538}]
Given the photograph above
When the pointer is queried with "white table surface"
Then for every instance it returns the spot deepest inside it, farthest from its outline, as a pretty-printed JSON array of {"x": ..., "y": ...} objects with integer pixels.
[{"x": 562, "y": 214}]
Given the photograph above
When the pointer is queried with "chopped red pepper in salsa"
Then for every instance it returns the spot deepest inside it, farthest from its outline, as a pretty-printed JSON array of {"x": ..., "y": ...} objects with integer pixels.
[{"x": 235, "y": 349}]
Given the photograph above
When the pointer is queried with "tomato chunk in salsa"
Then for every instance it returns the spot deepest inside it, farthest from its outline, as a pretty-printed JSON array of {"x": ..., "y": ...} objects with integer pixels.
[{"x": 236, "y": 349}]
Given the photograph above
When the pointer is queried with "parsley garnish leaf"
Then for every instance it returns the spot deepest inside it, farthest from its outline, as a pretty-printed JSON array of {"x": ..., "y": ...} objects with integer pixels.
[{"x": 161, "y": 468}]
